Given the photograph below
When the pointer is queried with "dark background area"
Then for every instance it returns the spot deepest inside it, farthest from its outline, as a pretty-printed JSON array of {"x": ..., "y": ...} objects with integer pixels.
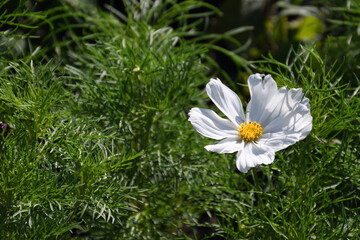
[{"x": 277, "y": 27}]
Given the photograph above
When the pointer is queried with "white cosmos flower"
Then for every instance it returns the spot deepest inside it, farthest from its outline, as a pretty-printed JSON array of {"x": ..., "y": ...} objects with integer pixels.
[{"x": 275, "y": 119}]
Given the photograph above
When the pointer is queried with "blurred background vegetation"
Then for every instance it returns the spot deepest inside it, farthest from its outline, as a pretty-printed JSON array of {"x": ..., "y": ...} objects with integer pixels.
[
  {"x": 237, "y": 32},
  {"x": 97, "y": 95}
]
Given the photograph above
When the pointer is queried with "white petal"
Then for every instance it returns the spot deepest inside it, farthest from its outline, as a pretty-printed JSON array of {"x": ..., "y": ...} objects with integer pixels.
[
  {"x": 296, "y": 119},
  {"x": 252, "y": 155},
  {"x": 287, "y": 131},
  {"x": 281, "y": 104},
  {"x": 210, "y": 125},
  {"x": 261, "y": 91},
  {"x": 283, "y": 114},
  {"x": 267, "y": 102},
  {"x": 280, "y": 140},
  {"x": 228, "y": 145},
  {"x": 226, "y": 100}
]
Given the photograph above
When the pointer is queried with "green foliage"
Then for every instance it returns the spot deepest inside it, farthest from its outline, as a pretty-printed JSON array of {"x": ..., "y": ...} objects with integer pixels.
[
  {"x": 345, "y": 20},
  {"x": 16, "y": 23},
  {"x": 316, "y": 190},
  {"x": 100, "y": 146}
]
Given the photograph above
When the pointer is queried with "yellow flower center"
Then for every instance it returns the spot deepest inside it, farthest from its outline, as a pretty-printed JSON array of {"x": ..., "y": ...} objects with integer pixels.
[{"x": 250, "y": 131}]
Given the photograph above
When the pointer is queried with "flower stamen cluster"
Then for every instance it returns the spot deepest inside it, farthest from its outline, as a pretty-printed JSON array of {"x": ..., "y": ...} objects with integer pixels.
[{"x": 250, "y": 132}]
